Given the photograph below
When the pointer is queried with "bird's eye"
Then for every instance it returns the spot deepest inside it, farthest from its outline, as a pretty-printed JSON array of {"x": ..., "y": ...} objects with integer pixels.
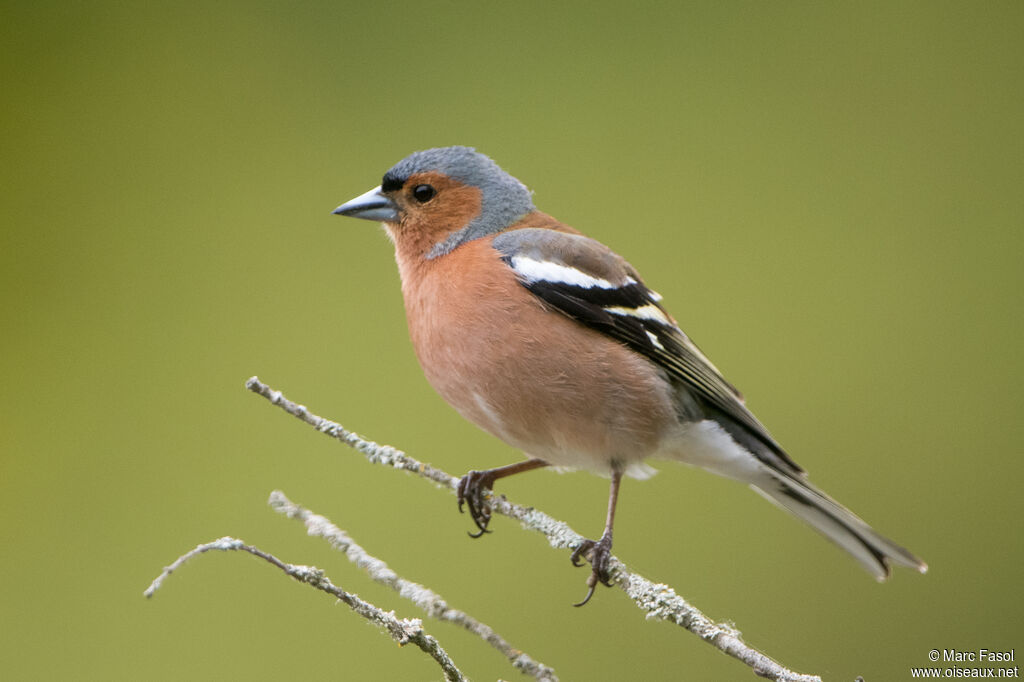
[{"x": 423, "y": 193}]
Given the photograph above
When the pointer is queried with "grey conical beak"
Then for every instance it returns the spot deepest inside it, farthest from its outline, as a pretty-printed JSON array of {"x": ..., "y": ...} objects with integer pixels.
[{"x": 370, "y": 206}]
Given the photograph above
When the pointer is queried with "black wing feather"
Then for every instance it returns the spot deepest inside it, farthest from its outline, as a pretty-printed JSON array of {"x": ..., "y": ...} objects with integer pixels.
[{"x": 664, "y": 344}]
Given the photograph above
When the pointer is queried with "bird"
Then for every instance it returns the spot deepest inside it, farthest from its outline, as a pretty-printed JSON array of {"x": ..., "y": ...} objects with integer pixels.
[{"x": 552, "y": 342}]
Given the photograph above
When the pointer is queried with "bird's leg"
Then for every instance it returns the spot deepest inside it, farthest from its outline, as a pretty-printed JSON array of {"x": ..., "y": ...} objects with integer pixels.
[
  {"x": 473, "y": 485},
  {"x": 601, "y": 551}
]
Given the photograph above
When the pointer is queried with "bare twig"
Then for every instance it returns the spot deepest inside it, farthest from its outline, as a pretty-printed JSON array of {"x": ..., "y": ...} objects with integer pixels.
[
  {"x": 658, "y": 600},
  {"x": 423, "y": 597},
  {"x": 403, "y": 630}
]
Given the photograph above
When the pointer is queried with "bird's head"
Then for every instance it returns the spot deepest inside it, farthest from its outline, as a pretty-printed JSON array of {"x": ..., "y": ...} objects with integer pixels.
[{"x": 434, "y": 200}]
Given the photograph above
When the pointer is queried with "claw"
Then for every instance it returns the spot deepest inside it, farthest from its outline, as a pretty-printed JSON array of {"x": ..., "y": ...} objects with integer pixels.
[
  {"x": 470, "y": 491},
  {"x": 581, "y": 552},
  {"x": 590, "y": 593},
  {"x": 598, "y": 553}
]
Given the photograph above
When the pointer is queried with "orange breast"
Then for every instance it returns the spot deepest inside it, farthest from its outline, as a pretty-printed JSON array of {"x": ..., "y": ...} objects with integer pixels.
[{"x": 530, "y": 376}]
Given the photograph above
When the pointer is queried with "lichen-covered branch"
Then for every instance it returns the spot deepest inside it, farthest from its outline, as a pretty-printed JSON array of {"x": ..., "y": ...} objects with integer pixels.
[
  {"x": 423, "y": 597},
  {"x": 403, "y": 631},
  {"x": 657, "y": 600}
]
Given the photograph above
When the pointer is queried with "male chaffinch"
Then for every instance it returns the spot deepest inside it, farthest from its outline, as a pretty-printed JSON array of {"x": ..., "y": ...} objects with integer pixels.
[{"x": 550, "y": 341}]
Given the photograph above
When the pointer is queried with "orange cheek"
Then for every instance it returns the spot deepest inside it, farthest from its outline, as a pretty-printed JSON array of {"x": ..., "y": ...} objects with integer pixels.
[{"x": 455, "y": 206}]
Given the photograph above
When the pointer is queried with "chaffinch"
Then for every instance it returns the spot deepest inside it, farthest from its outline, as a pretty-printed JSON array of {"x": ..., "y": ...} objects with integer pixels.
[{"x": 552, "y": 342}]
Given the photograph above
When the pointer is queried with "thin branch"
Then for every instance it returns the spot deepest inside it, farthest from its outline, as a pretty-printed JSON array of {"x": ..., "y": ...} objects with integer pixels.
[
  {"x": 402, "y": 631},
  {"x": 658, "y": 600},
  {"x": 423, "y": 597}
]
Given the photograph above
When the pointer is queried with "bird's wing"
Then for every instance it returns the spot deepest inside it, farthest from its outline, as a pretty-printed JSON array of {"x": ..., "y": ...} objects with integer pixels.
[{"x": 585, "y": 280}]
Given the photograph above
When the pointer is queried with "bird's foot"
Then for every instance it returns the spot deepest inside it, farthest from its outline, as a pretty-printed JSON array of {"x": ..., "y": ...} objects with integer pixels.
[
  {"x": 598, "y": 554},
  {"x": 472, "y": 492}
]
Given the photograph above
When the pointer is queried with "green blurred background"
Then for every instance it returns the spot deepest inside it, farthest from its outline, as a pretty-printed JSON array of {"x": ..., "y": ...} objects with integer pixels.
[{"x": 829, "y": 196}]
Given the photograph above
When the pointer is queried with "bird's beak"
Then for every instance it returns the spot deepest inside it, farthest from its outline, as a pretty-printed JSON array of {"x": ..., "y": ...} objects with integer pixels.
[{"x": 370, "y": 206}]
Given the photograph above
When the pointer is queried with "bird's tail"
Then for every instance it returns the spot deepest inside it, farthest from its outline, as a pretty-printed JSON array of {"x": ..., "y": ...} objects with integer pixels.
[{"x": 837, "y": 523}]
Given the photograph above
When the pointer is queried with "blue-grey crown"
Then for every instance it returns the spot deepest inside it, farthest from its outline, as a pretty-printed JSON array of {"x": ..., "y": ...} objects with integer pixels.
[{"x": 504, "y": 199}]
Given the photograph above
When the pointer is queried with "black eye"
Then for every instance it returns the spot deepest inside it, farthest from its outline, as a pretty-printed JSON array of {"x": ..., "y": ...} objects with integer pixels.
[{"x": 423, "y": 193}]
